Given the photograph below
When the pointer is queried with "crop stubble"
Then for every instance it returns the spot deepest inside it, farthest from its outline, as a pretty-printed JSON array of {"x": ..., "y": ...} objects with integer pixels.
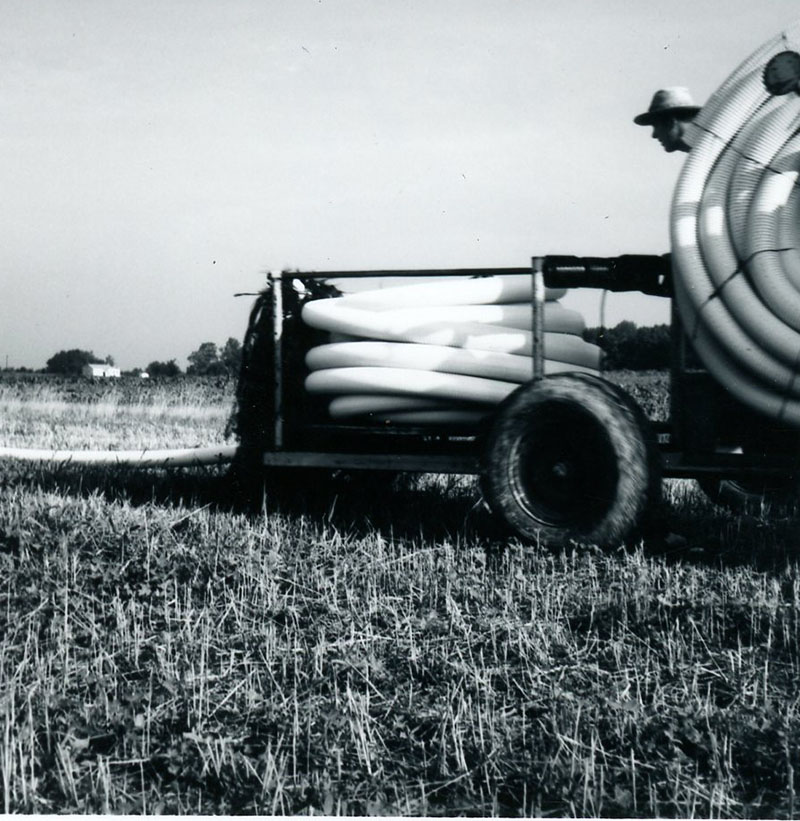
[{"x": 164, "y": 647}]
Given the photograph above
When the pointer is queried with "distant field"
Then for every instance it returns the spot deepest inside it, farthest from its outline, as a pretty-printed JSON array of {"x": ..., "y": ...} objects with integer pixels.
[
  {"x": 368, "y": 647},
  {"x": 60, "y": 412},
  {"x": 649, "y": 388}
]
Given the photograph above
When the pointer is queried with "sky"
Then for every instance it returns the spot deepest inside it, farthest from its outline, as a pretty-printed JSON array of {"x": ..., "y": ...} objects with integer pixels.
[{"x": 159, "y": 156}]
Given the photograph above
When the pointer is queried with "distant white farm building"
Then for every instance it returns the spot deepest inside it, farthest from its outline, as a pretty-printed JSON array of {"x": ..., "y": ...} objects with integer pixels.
[{"x": 99, "y": 370}]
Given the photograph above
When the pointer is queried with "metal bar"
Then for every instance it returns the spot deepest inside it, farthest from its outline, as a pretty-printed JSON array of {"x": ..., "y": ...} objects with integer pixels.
[
  {"x": 462, "y": 433},
  {"x": 629, "y": 272},
  {"x": 408, "y": 272},
  {"x": 411, "y": 462},
  {"x": 676, "y": 465},
  {"x": 673, "y": 464},
  {"x": 537, "y": 326},
  {"x": 276, "y": 282}
]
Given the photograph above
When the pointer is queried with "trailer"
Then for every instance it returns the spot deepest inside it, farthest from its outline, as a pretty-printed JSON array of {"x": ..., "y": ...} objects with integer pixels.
[{"x": 568, "y": 457}]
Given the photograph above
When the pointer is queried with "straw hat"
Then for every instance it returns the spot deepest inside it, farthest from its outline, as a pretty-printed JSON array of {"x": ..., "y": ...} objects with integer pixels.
[{"x": 668, "y": 101}]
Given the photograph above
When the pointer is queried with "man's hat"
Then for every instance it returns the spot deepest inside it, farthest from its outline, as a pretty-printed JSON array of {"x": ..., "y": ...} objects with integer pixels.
[{"x": 668, "y": 101}]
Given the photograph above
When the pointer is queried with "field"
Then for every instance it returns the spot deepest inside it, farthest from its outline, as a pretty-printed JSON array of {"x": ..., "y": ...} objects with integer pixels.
[{"x": 368, "y": 647}]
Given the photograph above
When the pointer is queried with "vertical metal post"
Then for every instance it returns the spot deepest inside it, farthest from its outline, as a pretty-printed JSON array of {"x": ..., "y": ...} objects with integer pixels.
[
  {"x": 276, "y": 283},
  {"x": 537, "y": 325}
]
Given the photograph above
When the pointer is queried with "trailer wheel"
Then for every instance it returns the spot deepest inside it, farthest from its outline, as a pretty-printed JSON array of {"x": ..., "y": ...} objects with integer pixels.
[
  {"x": 761, "y": 440},
  {"x": 570, "y": 458},
  {"x": 781, "y": 494}
]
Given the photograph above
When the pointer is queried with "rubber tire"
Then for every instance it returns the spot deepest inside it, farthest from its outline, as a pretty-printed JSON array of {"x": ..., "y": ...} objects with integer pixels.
[
  {"x": 759, "y": 438},
  {"x": 570, "y": 458},
  {"x": 752, "y": 497}
]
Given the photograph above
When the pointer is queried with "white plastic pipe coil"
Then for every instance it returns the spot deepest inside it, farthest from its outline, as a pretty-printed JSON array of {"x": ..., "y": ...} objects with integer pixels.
[
  {"x": 443, "y": 351},
  {"x": 735, "y": 238}
]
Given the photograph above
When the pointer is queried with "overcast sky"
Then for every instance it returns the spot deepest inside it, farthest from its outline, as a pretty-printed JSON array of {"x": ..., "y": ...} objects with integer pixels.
[{"x": 160, "y": 155}]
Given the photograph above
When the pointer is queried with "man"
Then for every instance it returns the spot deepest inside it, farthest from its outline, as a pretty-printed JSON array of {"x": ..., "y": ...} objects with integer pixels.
[{"x": 670, "y": 112}]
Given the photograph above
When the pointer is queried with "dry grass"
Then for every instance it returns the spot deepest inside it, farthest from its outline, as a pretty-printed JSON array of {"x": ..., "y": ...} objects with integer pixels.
[
  {"x": 61, "y": 413},
  {"x": 166, "y": 648},
  {"x": 649, "y": 388}
]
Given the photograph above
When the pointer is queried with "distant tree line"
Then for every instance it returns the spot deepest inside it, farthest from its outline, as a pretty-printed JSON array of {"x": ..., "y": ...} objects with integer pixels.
[
  {"x": 170, "y": 368},
  {"x": 629, "y": 347},
  {"x": 207, "y": 360},
  {"x": 73, "y": 361}
]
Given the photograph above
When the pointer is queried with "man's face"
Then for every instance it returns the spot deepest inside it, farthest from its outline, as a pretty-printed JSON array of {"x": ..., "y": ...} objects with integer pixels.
[{"x": 668, "y": 131}]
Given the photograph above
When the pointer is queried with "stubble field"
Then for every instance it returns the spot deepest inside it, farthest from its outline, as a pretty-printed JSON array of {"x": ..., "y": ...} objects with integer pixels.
[{"x": 365, "y": 647}]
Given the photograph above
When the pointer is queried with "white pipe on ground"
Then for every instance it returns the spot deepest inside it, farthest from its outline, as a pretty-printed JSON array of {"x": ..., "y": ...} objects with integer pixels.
[{"x": 184, "y": 457}]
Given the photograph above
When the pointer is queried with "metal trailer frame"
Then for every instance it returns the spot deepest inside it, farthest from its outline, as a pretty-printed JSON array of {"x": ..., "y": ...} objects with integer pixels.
[{"x": 698, "y": 441}]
